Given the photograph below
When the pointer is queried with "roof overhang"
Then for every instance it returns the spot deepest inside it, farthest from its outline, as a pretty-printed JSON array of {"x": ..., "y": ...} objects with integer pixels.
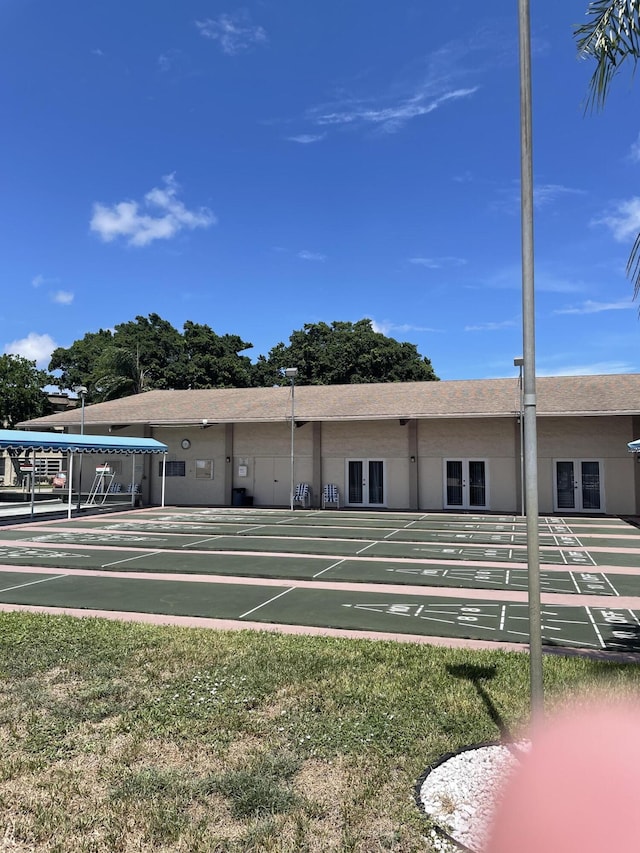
[{"x": 57, "y": 442}]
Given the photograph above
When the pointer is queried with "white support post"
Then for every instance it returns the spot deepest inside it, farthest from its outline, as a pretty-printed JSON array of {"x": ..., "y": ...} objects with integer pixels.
[{"x": 69, "y": 482}]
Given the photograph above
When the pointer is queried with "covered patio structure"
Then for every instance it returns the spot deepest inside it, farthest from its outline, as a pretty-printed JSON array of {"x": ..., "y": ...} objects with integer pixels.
[{"x": 24, "y": 441}]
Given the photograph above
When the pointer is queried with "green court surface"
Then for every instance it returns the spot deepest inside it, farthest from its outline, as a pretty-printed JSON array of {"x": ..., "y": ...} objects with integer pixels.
[
  {"x": 411, "y": 549},
  {"x": 569, "y": 556},
  {"x": 418, "y": 533},
  {"x": 298, "y": 567},
  {"x": 375, "y": 526},
  {"x": 584, "y": 627}
]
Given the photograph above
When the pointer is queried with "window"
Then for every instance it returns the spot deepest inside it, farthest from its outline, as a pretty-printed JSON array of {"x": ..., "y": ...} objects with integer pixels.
[
  {"x": 173, "y": 469},
  {"x": 204, "y": 469},
  {"x": 48, "y": 467}
]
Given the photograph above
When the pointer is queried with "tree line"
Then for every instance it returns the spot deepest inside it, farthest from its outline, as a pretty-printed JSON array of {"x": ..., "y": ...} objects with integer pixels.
[{"x": 150, "y": 353}]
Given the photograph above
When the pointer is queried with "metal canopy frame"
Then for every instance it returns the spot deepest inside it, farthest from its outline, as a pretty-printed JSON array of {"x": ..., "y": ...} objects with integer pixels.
[{"x": 55, "y": 442}]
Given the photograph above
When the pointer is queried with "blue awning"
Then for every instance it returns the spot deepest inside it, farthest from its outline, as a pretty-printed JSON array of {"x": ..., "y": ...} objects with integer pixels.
[
  {"x": 21, "y": 440},
  {"x": 634, "y": 446}
]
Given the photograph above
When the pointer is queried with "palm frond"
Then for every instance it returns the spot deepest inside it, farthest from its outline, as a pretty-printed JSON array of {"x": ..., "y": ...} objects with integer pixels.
[
  {"x": 611, "y": 35},
  {"x": 633, "y": 267}
]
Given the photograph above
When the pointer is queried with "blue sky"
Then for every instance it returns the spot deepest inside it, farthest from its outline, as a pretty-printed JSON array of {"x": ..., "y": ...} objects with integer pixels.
[{"x": 260, "y": 166}]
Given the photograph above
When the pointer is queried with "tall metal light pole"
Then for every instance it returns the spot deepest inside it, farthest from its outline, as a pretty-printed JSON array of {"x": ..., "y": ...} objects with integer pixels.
[
  {"x": 291, "y": 373},
  {"x": 518, "y": 362},
  {"x": 529, "y": 355},
  {"x": 81, "y": 391}
]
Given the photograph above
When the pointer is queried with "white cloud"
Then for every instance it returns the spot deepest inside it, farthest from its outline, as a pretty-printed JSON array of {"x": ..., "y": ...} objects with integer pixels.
[
  {"x": 508, "y": 200},
  {"x": 311, "y": 256},
  {"x": 386, "y": 327},
  {"x": 62, "y": 297},
  {"x": 391, "y": 118},
  {"x": 167, "y": 60},
  {"x": 492, "y": 326},
  {"x": 511, "y": 278},
  {"x": 306, "y": 138},
  {"x": 438, "y": 263},
  {"x": 415, "y": 90},
  {"x": 234, "y": 33},
  {"x": 634, "y": 151},
  {"x": 595, "y": 369},
  {"x": 624, "y": 221},
  {"x": 124, "y": 219},
  {"x": 35, "y": 347},
  {"x": 590, "y": 307},
  {"x": 544, "y": 194},
  {"x": 40, "y": 279}
]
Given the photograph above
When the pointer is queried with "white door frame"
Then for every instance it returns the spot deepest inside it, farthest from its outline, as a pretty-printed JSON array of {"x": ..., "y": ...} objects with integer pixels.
[
  {"x": 365, "y": 482},
  {"x": 577, "y": 485},
  {"x": 466, "y": 499}
]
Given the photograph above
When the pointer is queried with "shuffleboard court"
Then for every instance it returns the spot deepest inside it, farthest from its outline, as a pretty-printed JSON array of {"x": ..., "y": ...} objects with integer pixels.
[
  {"x": 159, "y": 562},
  {"x": 315, "y": 568},
  {"x": 562, "y": 540},
  {"x": 583, "y": 627},
  {"x": 177, "y": 541},
  {"x": 337, "y": 547},
  {"x": 302, "y": 569}
]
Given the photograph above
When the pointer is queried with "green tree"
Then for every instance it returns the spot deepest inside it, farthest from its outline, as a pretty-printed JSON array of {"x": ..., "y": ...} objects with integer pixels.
[
  {"x": 77, "y": 363},
  {"x": 148, "y": 352},
  {"x": 155, "y": 348},
  {"x": 344, "y": 353},
  {"x": 118, "y": 373},
  {"x": 144, "y": 353},
  {"x": 610, "y": 37},
  {"x": 214, "y": 361},
  {"x": 21, "y": 390}
]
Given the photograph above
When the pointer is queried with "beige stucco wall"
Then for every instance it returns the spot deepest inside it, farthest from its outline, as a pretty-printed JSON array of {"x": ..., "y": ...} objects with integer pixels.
[
  {"x": 477, "y": 438},
  {"x": 205, "y": 444},
  {"x": 492, "y": 440},
  {"x": 603, "y": 439},
  {"x": 386, "y": 440},
  {"x": 265, "y": 450},
  {"x": 368, "y": 439}
]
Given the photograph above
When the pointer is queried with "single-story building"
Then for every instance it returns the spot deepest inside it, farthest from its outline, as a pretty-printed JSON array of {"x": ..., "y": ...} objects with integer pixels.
[{"x": 451, "y": 445}]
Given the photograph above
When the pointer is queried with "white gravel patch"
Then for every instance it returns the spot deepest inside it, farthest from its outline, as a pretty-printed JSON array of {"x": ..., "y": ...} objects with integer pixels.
[{"x": 461, "y": 794}]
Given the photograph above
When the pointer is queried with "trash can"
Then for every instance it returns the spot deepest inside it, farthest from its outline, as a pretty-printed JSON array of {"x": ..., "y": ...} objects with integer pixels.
[{"x": 238, "y": 497}]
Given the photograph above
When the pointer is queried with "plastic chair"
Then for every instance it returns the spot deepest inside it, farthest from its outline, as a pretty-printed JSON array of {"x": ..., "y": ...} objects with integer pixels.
[
  {"x": 302, "y": 495},
  {"x": 331, "y": 495}
]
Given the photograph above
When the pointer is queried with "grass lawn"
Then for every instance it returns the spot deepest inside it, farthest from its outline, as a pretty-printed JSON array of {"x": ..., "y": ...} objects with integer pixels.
[{"x": 126, "y": 737}]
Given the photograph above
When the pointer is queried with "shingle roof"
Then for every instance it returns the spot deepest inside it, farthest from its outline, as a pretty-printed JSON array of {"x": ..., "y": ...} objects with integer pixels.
[{"x": 556, "y": 395}]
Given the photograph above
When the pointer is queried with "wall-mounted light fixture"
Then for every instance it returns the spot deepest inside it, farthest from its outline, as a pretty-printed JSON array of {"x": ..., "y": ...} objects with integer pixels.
[{"x": 413, "y": 458}]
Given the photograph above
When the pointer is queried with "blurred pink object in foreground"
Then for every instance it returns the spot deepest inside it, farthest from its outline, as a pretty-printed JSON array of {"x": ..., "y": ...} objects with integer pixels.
[{"x": 578, "y": 790}]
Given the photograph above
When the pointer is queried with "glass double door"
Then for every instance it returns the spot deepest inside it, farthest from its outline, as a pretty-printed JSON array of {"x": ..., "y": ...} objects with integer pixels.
[
  {"x": 578, "y": 485},
  {"x": 465, "y": 484},
  {"x": 365, "y": 482}
]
